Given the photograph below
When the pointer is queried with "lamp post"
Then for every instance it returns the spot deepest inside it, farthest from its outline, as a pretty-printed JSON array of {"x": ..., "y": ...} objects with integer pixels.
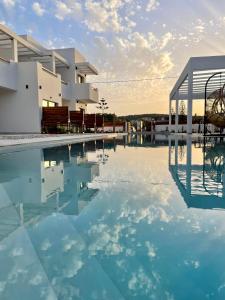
[{"x": 103, "y": 106}]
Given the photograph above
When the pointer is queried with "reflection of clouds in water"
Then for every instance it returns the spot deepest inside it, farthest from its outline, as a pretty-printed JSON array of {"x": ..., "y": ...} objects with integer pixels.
[
  {"x": 2, "y": 286},
  {"x": 105, "y": 238},
  {"x": 122, "y": 231},
  {"x": 192, "y": 263},
  {"x": 151, "y": 249},
  {"x": 15, "y": 273},
  {"x": 70, "y": 243},
  {"x": 73, "y": 268},
  {"x": 17, "y": 252},
  {"x": 67, "y": 292},
  {"x": 2, "y": 247},
  {"x": 129, "y": 252},
  {"x": 36, "y": 280},
  {"x": 45, "y": 245},
  {"x": 140, "y": 283}
]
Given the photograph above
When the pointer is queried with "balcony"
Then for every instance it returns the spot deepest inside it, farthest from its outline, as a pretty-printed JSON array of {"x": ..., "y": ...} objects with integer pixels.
[
  {"x": 8, "y": 75},
  {"x": 82, "y": 92}
]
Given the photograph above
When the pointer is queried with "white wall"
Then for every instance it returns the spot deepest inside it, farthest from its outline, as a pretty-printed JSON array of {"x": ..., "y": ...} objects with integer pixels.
[
  {"x": 50, "y": 86},
  {"x": 85, "y": 92},
  {"x": 8, "y": 75},
  {"x": 52, "y": 180},
  {"x": 67, "y": 74},
  {"x": 19, "y": 111},
  {"x": 110, "y": 129},
  {"x": 20, "y": 174}
]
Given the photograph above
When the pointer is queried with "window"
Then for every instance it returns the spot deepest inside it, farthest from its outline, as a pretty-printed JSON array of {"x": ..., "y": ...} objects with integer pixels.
[
  {"x": 80, "y": 79},
  {"x": 47, "y": 103}
]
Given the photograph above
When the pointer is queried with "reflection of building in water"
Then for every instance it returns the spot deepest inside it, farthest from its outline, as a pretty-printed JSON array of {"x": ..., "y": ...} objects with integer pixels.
[
  {"x": 35, "y": 183},
  {"x": 146, "y": 140},
  {"x": 199, "y": 172}
]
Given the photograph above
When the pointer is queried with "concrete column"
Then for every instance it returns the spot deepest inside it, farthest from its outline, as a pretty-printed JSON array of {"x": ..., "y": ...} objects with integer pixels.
[
  {"x": 21, "y": 213},
  {"x": 14, "y": 50},
  {"x": 170, "y": 117},
  {"x": 177, "y": 113},
  {"x": 170, "y": 149},
  {"x": 189, "y": 164},
  {"x": 176, "y": 152},
  {"x": 52, "y": 63},
  {"x": 190, "y": 102}
]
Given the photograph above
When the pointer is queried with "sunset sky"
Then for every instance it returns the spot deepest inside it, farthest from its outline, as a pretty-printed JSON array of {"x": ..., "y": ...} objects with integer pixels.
[{"x": 126, "y": 40}]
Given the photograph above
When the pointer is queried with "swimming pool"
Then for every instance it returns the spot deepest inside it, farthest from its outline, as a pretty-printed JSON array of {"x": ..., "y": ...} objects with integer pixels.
[{"x": 139, "y": 217}]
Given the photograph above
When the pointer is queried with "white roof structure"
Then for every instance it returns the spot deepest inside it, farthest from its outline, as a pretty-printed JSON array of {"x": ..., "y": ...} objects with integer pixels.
[
  {"x": 191, "y": 83},
  {"x": 86, "y": 68},
  {"x": 27, "y": 51}
]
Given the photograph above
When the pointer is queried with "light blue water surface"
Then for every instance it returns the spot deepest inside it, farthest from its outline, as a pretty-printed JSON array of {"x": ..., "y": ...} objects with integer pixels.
[{"x": 133, "y": 218}]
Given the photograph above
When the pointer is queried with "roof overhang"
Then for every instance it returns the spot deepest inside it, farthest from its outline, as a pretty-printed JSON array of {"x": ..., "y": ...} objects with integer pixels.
[
  {"x": 86, "y": 68},
  {"x": 27, "y": 51},
  {"x": 59, "y": 59},
  {"x": 24, "y": 47}
]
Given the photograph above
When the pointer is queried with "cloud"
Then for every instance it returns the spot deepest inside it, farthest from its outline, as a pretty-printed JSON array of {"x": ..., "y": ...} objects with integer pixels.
[
  {"x": 133, "y": 56},
  {"x": 38, "y": 9},
  {"x": 103, "y": 16},
  {"x": 98, "y": 16},
  {"x": 9, "y": 3},
  {"x": 152, "y": 5},
  {"x": 68, "y": 9}
]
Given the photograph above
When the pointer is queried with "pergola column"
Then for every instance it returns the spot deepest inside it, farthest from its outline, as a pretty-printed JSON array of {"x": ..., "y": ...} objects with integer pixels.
[
  {"x": 170, "y": 147},
  {"x": 189, "y": 164},
  {"x": 177, "y": 113},
  {"x": 170, "y": 116},
  {"x": 176, "y": 152},
  {"x": 52, "y": 63},
  {"x": 190, "y": 102},
  {"x": 14, "y": 50}
]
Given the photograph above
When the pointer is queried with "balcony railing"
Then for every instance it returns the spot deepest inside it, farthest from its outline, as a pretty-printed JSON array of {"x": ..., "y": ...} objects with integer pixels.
[
  {"x": 82, "y": 92},
  {"x": 49, "y": 72},
  {"x": 4, "y": 60}
]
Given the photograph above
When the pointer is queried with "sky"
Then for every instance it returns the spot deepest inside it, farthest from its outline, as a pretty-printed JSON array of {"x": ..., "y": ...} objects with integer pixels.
[{"x": 126, "y": 40}]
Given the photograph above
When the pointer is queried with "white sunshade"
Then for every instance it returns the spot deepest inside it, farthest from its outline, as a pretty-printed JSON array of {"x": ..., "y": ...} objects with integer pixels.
[
  {"x": 27, "y": 51},
  {"x": 86, "y": 68},
  {"x": 200, "y": 69}
]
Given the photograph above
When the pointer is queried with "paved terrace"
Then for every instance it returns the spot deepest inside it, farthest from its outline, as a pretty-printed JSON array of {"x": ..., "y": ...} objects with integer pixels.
[{"x": 7, "y": 140}]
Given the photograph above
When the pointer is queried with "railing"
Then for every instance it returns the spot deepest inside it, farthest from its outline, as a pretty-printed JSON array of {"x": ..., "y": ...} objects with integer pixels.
[
  {"x": 52, "y": 117},
  {"x": 50, "y": 72},
  {"x": 63, "y": 82},
  {"x": 4, "y": 60}
]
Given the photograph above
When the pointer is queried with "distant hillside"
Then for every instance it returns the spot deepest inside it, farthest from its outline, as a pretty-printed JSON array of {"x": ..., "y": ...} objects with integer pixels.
[
  {"x": 156, "y": 117},
  {"x": 145, "y": 117}
]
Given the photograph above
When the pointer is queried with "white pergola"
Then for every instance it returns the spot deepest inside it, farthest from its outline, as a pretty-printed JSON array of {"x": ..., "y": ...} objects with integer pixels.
[
  {"x": 22, "y": 50},
  {"x": 191, "y": 84},
  {"x": 86, "y": 68}
]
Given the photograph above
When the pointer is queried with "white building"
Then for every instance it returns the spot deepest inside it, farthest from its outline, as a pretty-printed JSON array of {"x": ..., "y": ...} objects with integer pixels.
[{"x": 32, "y": 76}]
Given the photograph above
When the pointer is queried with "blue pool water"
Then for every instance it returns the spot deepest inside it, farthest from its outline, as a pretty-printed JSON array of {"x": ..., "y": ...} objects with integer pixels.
[{"x": 132, "y": 218}]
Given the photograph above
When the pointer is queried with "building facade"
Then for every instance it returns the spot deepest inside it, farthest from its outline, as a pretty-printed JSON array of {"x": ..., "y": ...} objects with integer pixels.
[{"x": 32, "y": 77}]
